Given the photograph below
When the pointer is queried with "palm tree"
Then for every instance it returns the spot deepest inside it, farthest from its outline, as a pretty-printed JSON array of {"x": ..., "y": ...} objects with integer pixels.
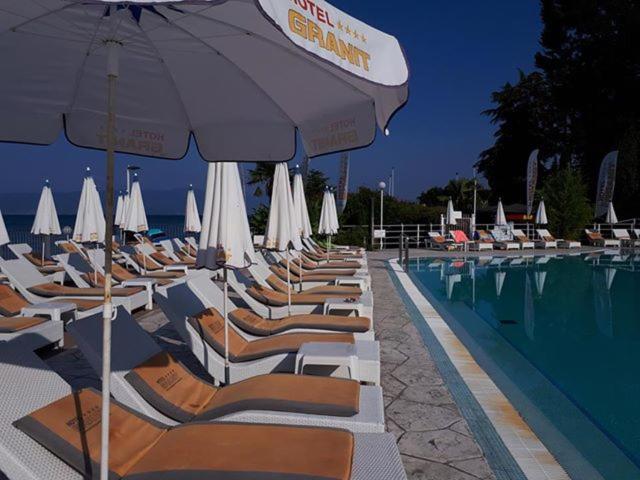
[{"x": 262, "y": 177}]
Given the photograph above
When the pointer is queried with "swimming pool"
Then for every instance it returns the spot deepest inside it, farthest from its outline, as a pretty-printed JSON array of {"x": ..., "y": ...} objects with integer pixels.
[{"x": 560, "y": 336}]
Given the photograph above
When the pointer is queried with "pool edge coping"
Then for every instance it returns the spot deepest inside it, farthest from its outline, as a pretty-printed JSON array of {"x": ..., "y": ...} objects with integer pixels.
[{"x": 519, "y": 443}]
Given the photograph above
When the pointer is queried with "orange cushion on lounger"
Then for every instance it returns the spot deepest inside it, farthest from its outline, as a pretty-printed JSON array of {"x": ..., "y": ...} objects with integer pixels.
[
  {"x": 11, "y": 302},
  {"x": 279, "y": 299},
  {"x": 257, "y": 325},
  {"x": 210, "y": 326},
  {"x": 172, "y": 389},
  {"x": 37, "y": 260},
  {"x": 70, "y": 428},
  {"x": 56, "y": 290},
  {"x": 286, "y": 393},
  {"x": 177, "y": 393},
  {"x": 459, "y": 236},
  {"x": 16, "y": 324},
  {"x": 143, "y": 449},
  {"x": 248, "y": 452}
]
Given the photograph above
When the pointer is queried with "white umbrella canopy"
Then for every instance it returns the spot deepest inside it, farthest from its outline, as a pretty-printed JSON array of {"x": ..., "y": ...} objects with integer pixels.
[
  {"x": 46, "y": 221},
  {"x": 192, "y": 216},
  {"x": 136, "y": 217},
  {"x": 541, "y": 214},
  {"x": 90, "y": 223},
  {"x": 4, "y": 235},
  {"x": 611, "y": 215},
  {"x": 222, "y": 71},
  {"x": 225, "y": 240},
  {"x": 300, "y": 207},
  {"x": 501, "y": 219},
  {"x": 282, "y": 232},
  {"x": 326, "y": 225},
  {"x": 119, "y": 218},
  {"x": 451, "y": 215}
]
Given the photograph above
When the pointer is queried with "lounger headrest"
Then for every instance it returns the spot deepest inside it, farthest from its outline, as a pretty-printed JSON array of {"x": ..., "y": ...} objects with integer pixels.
[
  {"x": 70, "y": 429},
  {"x": 11, "y": 302},
  {"x": 170, "y": 387}
]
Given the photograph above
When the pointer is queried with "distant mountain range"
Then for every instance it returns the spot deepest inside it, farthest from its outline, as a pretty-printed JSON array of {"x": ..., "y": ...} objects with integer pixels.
[{"x": 156, "y": 202}]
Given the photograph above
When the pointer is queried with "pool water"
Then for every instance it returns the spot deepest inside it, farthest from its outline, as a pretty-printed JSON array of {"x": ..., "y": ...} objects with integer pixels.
[{"x": 561, "y": 337}]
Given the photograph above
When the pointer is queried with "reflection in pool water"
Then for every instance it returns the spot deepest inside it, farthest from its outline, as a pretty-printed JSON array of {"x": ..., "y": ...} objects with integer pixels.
[{"x": 562, "y": 336}]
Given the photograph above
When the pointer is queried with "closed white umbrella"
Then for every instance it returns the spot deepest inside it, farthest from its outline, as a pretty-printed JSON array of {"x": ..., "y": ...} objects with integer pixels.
[
  {"x": 225, "y": 241},
  {"x": 334, "y": 212},
  {"x": 136, "y": 217},
  {"x": 46, "y": 222},
  {"x": 4, "y": 235},
  {"x": 451, "y": 215},
  {"x": 541, "y": 214},
  {"x": 300, "y": 207},
  {"x": 282, "y": 232},
  {"x": 326, "y": 225},
  {"x": 192, "y": 216},
  {"x": 90, "y": 223},
  {"x": 611, "y": 217},
  {"x": 222, "y": 71},
  {"x": 501, "y": 219},
  {"x": 119, "y": 218}
]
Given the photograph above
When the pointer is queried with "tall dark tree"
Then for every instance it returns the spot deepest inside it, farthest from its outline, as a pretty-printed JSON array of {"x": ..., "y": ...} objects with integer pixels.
[
  {"x": 526, "y": 120},
  {"x": 581, "y": 103}
]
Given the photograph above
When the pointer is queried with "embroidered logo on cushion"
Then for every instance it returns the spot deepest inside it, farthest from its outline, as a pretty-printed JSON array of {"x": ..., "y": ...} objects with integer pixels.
[
  {"x": 90, "y": 418},
  {"x": 169, "y": 379}
]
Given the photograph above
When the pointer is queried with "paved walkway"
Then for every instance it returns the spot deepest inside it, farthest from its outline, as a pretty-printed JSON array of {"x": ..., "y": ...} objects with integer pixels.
[{"x": 433, "y": 437}]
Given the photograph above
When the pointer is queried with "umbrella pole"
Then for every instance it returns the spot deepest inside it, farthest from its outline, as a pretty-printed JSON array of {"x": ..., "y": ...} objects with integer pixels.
[
  {"x": 300, "y": 271},
  {"x": 288, "y": 285},
  {"x": 226, "y": 329},
  {"x": 112, "y": 76}
]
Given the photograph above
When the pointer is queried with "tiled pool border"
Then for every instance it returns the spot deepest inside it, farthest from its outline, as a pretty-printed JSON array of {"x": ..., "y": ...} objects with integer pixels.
[{"x": 512, "y": 450}]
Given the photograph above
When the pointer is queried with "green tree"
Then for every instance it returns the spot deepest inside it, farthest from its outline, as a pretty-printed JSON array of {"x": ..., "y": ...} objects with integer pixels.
[
  {"x": 460, "y": 191},
  {"x": 261, "y": 177},
  {"x": 568, "y": 208},
  {"x": 580, "y": 104},
  {"x": 258, "y": 219}
]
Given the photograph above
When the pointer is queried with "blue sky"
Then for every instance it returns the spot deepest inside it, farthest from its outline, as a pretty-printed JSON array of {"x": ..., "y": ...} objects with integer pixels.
[{"x": 459, "y": 52}]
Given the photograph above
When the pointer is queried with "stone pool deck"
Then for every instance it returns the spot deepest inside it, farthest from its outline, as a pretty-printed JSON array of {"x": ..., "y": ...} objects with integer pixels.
[{"x": 433, "y": 436}]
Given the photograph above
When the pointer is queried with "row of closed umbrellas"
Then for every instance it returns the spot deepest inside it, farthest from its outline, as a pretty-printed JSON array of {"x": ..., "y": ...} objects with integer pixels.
[
  {"x": 148, "y": 76},
  {"x": 540, "y": 219}
]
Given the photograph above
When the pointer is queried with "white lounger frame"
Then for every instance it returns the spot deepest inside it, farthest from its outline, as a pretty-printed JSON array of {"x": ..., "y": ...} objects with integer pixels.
[
  {"x": 29, "y": 384},
  {"x": 132, "y": 346},
  {"x": 180, "y": 302}
]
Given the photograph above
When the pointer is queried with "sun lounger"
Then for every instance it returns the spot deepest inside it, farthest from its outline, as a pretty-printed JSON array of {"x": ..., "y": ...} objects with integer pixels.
[
  {"x": 524, "y": 241},
  {"x": 460, "y": 237},
  {"x": 344, "y": 249},
  {"x": 623, "y": 236},
  {"x": 36, "y": 289},
  {"x": 278, "y": 280},
  {"x": 24, "y": 253},
  {"x": 276, "y": 399},
  {"x": 502, "y": 241},
  {"x": 203, "y": 332},
  {"x": 438, "y": 242},
  {"x": 596, "y": 239},
  {"x": 246, "y": 320},
  {"x": 139, "y": 293},
  {"x": 546, "y": 240},
  {"x": 38, "y": 332},
  {"x": 35, "y": 400}
]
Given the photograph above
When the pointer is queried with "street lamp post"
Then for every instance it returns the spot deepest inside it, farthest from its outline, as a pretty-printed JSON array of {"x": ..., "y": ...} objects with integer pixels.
[{"x": 382, "y": 186}]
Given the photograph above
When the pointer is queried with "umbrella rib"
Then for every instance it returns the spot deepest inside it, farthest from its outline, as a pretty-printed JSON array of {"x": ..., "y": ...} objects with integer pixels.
[
  {"x": 170, "y": 77},
  {"x": 290, "y": 52},
  {"x": 245, "y": 74},
  {"x": 35, "y": 19}
]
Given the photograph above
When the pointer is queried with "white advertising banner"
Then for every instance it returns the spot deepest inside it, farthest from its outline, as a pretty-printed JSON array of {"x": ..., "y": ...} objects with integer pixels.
[
  {"x": 532, "y": 180},
  {"x": 606, "y": 183},
  {"x": 332, "y": 35}
]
